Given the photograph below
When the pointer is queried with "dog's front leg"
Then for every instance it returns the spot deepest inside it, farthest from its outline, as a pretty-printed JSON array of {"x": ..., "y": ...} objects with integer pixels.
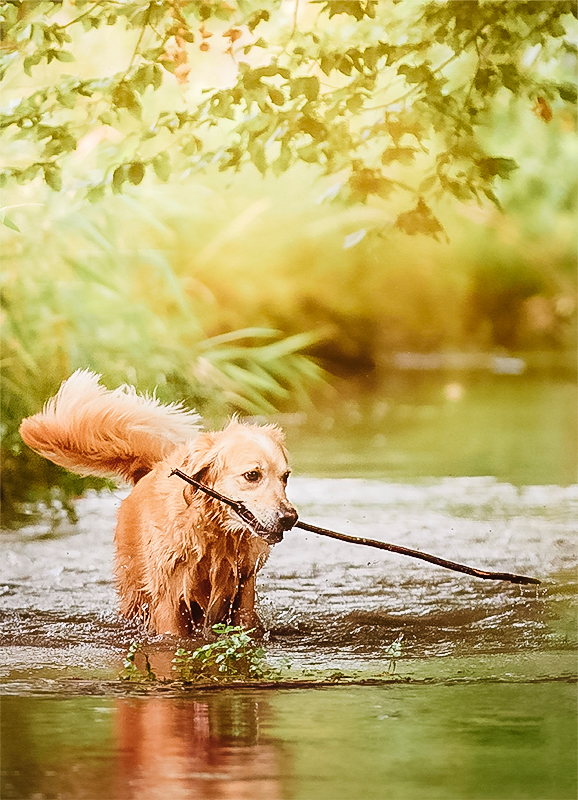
[
  {"x": 244, "y": 608},
  {"x": 223, "y": 585}
]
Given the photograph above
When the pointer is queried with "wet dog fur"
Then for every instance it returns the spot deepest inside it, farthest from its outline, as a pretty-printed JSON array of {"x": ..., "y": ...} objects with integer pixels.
[{"x": 184, "y": 561}]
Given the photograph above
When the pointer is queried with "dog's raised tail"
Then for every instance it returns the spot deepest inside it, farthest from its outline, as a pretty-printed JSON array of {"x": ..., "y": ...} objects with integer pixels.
[{"x": 91, "y": 430}]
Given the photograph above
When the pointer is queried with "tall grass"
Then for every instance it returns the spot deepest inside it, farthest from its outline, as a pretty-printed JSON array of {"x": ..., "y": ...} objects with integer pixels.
[{"x": 95, "y": 288}]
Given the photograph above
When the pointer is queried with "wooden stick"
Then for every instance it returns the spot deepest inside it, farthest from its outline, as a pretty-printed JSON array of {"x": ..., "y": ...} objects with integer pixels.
[
  {"x": 405, "y": 551},
  {"x": 247, "y": 516}
]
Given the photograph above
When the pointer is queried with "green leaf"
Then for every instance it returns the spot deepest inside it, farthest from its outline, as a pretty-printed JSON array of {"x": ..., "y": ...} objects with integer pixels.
[
  {"x": 162, "y": 166},
  {"x": 492, "y": 167},
  {"x": 568, "y": 92},
  {"x": 364, "y": 182},
  {"x": 136, "y": 172},
  {"x": 276, "y": 95},
  {"x": 419, "y": 220},
  {"x": 314, "y": 127},
  {"x": 510, "y": 77},
  {"x": 355, "y": 8},
  {"x": 9, "y": 224},
  {"x": 147, "y": 75},
  {"x": 67, "y": 99},
  {"x": 421, "y": 74},
  {"x": 107, "y": 118},
  {"x": 345, "y": 65},
  {"x": 305, "y": 87},
  {"x": 310, "y": 153},
  {"x": 123, "y": 96},
  {"x": 355, "y": 103},
  {"x": 282, "y": 163},
  {"x": 257, "y": 153},
  {"x": 405, "y": 155},
  {"x": 118, "y": 178},
  {"x": 95, "y": 193},
  {"x": 486, "y": 80},
  {"x": 259, "y": 16},
  {"x": 64, "y": 55},
  {"x": 53, "y": 176},
  {"x": 31, "y": 61}
]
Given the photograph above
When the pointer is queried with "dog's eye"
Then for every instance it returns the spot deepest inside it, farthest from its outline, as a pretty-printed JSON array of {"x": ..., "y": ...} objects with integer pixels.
[
  {"x": 252, "y": 476},
  {"x": 285, "y": 478}
]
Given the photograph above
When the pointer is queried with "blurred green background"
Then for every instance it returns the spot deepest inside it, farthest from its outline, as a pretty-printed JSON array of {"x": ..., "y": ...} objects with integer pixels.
[{"x": 255, "y": 294}]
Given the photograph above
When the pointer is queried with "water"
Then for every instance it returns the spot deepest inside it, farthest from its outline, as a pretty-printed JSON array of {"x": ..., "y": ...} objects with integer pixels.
[
  {"x": 480, "y": 704},
  {"x": 426, "y": 742},
  {"x": 521, "y": 430}
]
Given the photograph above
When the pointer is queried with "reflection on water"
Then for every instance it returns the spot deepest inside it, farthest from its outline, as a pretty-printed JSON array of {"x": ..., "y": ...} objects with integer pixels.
[
  {"x": 151, "y": 748},
  {"x": 192, "y": 748},
  {"x": 495, "y": 741},
  {"x": 485, "y": 706}
]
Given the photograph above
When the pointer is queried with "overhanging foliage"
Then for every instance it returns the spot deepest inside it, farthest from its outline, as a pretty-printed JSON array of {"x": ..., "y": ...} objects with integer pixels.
[{"x": 390, "y": 97}]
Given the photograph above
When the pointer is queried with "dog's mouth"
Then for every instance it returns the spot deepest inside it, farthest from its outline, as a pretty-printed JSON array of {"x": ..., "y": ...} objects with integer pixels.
[
  {"x": 271, "y": 537},
  {"x": 273, "y": 532}
]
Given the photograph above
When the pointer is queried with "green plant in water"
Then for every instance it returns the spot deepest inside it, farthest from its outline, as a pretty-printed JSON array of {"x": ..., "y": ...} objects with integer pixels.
[
  {"x": 131, "y": 671},
  {"x": 394, "y": 652},
  {"x": 233, "y": 654}
]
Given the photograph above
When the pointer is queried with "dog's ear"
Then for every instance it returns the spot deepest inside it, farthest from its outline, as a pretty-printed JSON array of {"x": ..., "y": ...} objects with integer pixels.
[
  {"x": 277, "y": 435},
  {"x": 275, "y": 432},
  {"x": 198, "y": 462}
]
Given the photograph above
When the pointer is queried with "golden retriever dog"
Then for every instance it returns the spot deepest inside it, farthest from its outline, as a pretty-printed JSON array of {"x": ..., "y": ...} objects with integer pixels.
[{"x": 183, "y": 560}]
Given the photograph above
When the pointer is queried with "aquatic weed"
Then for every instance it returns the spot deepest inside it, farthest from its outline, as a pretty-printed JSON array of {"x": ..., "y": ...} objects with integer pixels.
[
  {"x": 234, "y": 654},
  {"x": 394, "y": 652},
  {"x": 131, "y": 671}
]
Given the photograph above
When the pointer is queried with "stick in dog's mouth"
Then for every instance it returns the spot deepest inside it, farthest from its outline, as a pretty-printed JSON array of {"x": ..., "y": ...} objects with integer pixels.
[
  {"x": 256, "y": 527},
  {"x": 272, "y": 537}
]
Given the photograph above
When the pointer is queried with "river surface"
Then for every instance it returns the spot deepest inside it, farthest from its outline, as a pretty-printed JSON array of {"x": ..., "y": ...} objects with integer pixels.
[{"x": 479, "y": 703}]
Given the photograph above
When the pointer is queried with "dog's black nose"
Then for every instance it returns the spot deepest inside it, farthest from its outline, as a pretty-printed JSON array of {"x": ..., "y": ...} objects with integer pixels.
[{"x": 288, "y": 518}]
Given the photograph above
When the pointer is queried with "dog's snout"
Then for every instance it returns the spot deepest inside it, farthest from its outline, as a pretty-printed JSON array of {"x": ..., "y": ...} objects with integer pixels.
[{"x": 287, "y": 518}]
